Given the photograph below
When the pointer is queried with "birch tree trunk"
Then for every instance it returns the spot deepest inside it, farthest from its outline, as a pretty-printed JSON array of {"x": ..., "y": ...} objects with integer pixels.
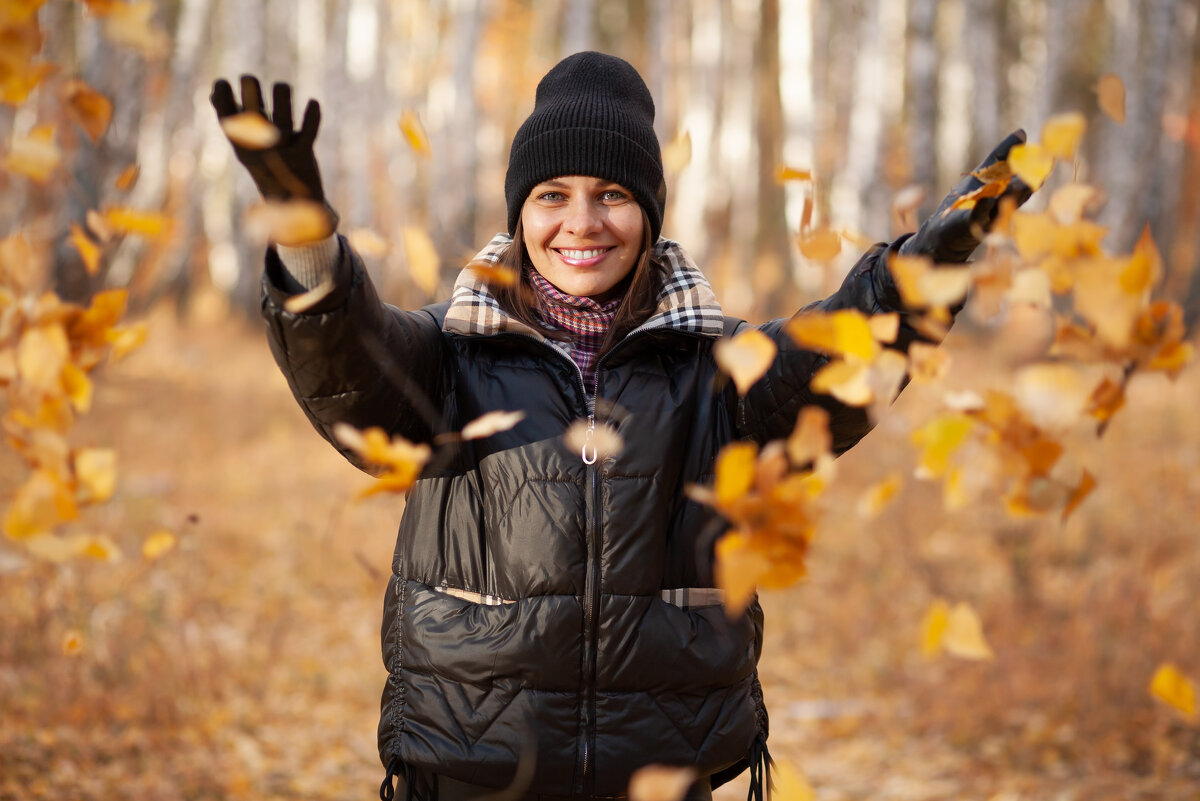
[
  {"x": 772, "y": 265},
  {"x": 922, "y": 93}
]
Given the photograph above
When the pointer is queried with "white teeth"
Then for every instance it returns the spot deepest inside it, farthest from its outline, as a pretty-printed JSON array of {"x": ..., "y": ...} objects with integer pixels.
[{"x": 579, "y": 255}]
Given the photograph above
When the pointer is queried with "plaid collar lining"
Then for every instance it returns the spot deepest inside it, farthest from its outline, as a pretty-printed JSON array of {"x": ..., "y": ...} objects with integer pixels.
[{"x": 685, "y": 303}]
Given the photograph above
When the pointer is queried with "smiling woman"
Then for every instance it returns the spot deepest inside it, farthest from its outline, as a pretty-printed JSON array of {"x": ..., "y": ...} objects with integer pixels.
[{"x": 553, "y": 623}]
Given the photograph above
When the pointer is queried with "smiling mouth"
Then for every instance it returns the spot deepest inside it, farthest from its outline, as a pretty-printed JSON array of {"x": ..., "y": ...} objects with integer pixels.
[{"x": 581, "y": 255}]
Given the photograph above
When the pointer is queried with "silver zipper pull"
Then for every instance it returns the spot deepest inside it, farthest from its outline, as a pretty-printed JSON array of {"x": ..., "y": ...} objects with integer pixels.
[{"x": 587, "y": 442}]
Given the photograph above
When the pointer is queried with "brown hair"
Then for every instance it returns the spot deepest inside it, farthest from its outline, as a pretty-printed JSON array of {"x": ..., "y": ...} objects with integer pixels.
[{"x": 642, "y": 285}]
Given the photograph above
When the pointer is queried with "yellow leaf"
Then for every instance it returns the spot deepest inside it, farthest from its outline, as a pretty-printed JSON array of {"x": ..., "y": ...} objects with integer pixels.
[
  {"x": 1031, "y": 162},
  {"x": 298, "y": 304},
  {"x": 40, "y": 504},
  {"x": 1110, "y": 91},
  {"x": 1145, "y": 265},
  {"x": 1051, "y": 395},
  {"x": 491, "y": 423},
  {"x": 138, "y": 223},
  {"x": 746, "y": 357},
  {"x": 1106, "y": 400},
  {"x": 402, "y": 459},
  {"x": 422, "y": 258},
  {"x": 126, "y": 339},
  {"x": 677, "y": 153},
  {"x": 53, "y": 548},
  {"x": 1172, "y": 358},
  {"x": 96, "y": 473},
  {"x": 414, "y": 134},
  {"x": 129, "y": 24},
  {"x": 88, "y": 250},
  {"x": 100, "y": 548},
  {"x": 367, "y": 242},
  {"x": 78, "y": 387},
  {"x": 1033, "y": 234},
  {"x": 735, "y": 471},
  {"x": 1087, "y": 483},
  {"x": 41, "y": 355},
  {"x": 593, "y": 442},
  {"x": 35, "y": 156},
  {"x": 1061, "y": 134},
  {"x": 884, "y": 327},
  {"x": 845, "y": 333},
  {"x": 1170, "y": 686},
  {"x": 933, "y": 627},
  {"x": 157, "y": 544},
  {"x": 822, "y": 245},
  {"x": 879, "y": 495},
  {"x": 127, "y": 178},
  {"x": 848, "y": 382},
  {"x": 288, "y": 222},
  {"x": 790, "y": 784},
  {"x": 963, "y": 636},
  {"x": 72, "y": 642},
  {"x": 810, "y": 438},
  {"x": 21, "y": 78},
  {"x": 492, "y": 273},
  {"x": 921, "y": 285},
  {"x": 660, "y": 783},
  {"x": 927, "y": 363},
  {"x": 1101, "y": 299},
  {"x": 250, "y": 130},
  {"x": 90, "y": 110},
  {"x": 786, "y": 173},
  {"x": 938, "y": 440},
  {"x": 737, "y": 571},
  {"x": 1068, "y": 202}
]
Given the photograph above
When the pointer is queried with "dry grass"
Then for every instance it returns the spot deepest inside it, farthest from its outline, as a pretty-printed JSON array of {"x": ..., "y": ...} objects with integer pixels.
[{"x": 245, "y": 662}]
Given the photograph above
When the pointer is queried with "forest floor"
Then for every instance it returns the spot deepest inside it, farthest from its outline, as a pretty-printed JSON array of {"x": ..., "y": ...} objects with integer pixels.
[{"x": 244, "y": 662}]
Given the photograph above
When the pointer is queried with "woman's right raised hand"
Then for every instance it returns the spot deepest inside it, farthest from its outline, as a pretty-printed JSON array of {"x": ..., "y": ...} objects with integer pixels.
[{"x": 286, "y": 170}]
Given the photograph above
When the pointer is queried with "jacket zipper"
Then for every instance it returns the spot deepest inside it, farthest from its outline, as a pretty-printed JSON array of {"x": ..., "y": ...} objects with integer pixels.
[{"x": 591, "y": 589}]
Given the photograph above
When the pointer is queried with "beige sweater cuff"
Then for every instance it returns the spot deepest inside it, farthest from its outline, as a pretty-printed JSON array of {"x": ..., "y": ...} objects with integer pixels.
[{"x": 311, "y": 265}]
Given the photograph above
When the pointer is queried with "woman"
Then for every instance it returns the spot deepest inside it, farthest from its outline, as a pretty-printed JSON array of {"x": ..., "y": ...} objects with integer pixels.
[{"x": 551, "y": 623}]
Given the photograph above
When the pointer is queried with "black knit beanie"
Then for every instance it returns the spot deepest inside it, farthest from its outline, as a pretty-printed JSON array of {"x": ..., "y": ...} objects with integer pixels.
[{"x": 593, "y": 116}]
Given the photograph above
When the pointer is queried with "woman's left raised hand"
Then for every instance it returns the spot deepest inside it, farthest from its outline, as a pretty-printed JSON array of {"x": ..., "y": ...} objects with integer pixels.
[{"x": 951, "y": 235}]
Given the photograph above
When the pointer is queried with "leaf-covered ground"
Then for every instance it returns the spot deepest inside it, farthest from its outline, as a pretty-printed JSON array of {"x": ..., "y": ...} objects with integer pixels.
[{"x": 243, "y": 662}]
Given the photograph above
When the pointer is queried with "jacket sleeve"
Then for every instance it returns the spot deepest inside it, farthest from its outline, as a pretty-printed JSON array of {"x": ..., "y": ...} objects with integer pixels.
[
  {"x": 769, "y": 410},
  {"x": 352, "y": 358}
]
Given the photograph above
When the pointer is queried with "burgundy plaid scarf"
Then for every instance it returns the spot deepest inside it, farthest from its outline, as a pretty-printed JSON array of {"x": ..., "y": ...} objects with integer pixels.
[{"x": 586, "y": 320}]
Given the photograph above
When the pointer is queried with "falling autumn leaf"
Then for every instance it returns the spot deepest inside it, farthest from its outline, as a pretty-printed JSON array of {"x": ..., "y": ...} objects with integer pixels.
[
  {"x": 922, "y": 285},
  {"x": 72, "y": 642},
  {"x": 302, "y": 302},
  {"x": 1174, "y": 689},
  {"x": 849, "y": 382},
  {"x": 1068, "y": 202},
  {"x": 1061, "y": 134},
  {"x": 963, "y": 635},
  {"x": 127, "y": 178},
  {"x": 127, "y": 339},
  {"x": 1079, "y": 494},
  {"x": 491, "y": 423},
  {"x": 400, "y": 462},
  {"x": 88, "y": 250},
  {"x": 1031, "y": 163},
  {"x": 492, "y": 273},
  {"x": 660, "y": 783},
  {"x": 414, "y": 134},
  {"x": 101, "y": 548},
  {"x": 35, "y": 156},
  {"x": 789, "y": 784},
  {"x": 846, "y": 333},
  {"x": 821, "y": 245},
  {"x": 96, "y": 472},
  {"x": 129, "y": 24},
  {"x": 792, "y": 174},
  {"x": 810, "y": 438},
  {"x": 877, "y": 496},
  {"x": 288, "y": 222},
  {"x": 367, "y": 242},
  {"x": 250, "y": 130},
  {"x": 1110, "y": 91},
  {"x": 41, "y": 355},
  {"x": 157, "y": 544},
  {"x": 90, "y": 110},
  {"x": 138, "y": 223},
  {"x": 745, "y": 357},
  {"x": 593, "y": 442},
  {"x": 40, "y": 504},
  {"x": 422, "y": 258}
]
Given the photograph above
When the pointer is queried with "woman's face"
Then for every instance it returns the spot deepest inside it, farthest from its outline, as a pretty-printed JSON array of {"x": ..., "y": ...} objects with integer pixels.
[{"x": 583, "y": 234}]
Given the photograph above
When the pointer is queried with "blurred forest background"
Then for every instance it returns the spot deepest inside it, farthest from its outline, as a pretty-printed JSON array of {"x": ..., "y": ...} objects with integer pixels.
[{"x": 221, "y": 640}]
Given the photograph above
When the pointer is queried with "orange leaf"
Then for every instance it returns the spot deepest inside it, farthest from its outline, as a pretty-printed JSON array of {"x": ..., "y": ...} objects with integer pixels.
[
  {"x": 139, "y": 223},
  {"x": 792, "y": 174},
  {"x": 41, "y": 355},
  {"x": 127, "y": 178},
  {"x": 492, "y": 273},
  {"x": 40, "y": 504},
  {"x": 90, "y": 110},
  {"x": 1110, "y": 91},
  {"x": 88, "y": 250},
  {"x": 288, "y": 222},
  {"x": 1170, "y": 686},
  {"x": 414, "y": 134},
  {"x": 822, "y": 244},
  {"x": 72, "y": 642},
  {"x": 746, "y": 357},
  {"x": 810, "y": 438},
  {"x": 735, "y": 469},
  {"x": 845, "y": 333},
  {"x": 872, "y": 502},
  {"x": 738, "y": 569},
  {"x": 35, "y": 156},
  {"x": 1087, "y": 483},
  {"x": 96, "y": 473}
]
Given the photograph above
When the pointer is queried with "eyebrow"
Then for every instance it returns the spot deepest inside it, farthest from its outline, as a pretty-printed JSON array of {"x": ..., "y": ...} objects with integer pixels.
[{"x": 560, "y": 185}]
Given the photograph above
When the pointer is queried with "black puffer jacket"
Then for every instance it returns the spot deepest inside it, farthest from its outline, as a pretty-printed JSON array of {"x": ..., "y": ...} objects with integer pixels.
[{"x": 542, "y": 610}]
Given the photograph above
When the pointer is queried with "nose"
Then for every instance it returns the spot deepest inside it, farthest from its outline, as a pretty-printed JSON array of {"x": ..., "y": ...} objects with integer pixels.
[{"x": 582, "y": 217}]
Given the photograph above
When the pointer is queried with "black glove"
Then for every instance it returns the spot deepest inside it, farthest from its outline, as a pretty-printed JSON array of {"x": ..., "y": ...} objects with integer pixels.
[
  {"x": 951, "y": 237},
  {"x": 288, "y": 169}
]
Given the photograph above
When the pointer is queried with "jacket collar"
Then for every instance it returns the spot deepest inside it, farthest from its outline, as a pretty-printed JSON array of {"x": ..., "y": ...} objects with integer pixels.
[{"x": 686, "y": 302}]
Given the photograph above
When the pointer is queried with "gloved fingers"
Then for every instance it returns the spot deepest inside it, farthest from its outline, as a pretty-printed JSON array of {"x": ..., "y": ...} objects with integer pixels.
[
  {"x": 252, "y": 95},
  {"x": 281, "y": 108},
  {"x": 312, "y": 121},
  {"x": 1000, "y": 153},
  {"x": 985, "y": 211},
  {"x": 1019, "y": 190},
  {"x": 222, "y": 99}
]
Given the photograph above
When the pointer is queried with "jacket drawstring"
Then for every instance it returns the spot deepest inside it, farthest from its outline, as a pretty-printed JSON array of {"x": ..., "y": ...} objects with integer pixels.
[
  {"x": 396, "y": 768},
  {"x": 760, "y": 770}
]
